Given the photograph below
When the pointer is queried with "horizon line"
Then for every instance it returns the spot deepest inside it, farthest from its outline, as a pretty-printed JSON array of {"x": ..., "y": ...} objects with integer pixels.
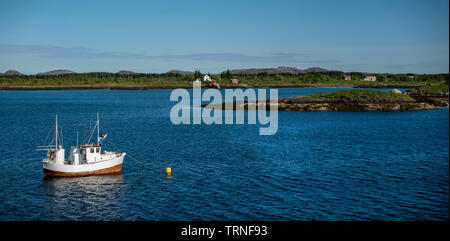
[{"x": 253, "y": 68}]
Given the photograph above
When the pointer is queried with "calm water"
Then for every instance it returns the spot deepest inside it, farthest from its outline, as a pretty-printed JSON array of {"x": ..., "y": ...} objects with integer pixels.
[{"x": 319, "y": 166}]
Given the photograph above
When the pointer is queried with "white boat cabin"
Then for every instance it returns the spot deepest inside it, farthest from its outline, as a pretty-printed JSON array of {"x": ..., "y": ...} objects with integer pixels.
[{"x": 88, "y": 153}]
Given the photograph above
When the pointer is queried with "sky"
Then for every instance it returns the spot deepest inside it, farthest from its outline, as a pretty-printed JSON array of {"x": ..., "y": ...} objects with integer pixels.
[{"x": 395, "y": 36}]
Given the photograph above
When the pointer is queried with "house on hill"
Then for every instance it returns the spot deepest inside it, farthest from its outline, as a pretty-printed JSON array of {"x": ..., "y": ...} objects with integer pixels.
[
  {"x": 370, "y": 78},
  {"x": 234, "y": 81},
  {"x": 206, "y": 78},
  {"x": 347, "y": 77}
]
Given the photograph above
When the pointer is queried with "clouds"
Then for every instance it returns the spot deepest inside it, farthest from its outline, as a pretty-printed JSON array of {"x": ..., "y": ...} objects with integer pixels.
[
  {"x": 43, "y": 51},
  {"x": 397, "y": 59}
]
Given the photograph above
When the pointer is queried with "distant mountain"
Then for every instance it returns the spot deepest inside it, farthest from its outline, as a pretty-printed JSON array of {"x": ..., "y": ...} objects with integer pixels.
[
  {"x": 279, "y": 70},
  {"x": 12, "y": 72},
  {"x": 179, "y": 72},
  {"x": 57, "y": 72},
  {"x": 290, "y": 70},
  {"x": 125, "y": 72},
  {"x": 315, "y": 70}
]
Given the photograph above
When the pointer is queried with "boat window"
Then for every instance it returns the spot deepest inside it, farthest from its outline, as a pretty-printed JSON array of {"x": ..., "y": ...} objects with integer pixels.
[
  {"x": 92, "y": 149},
  {"x": 98, "y": 149}
]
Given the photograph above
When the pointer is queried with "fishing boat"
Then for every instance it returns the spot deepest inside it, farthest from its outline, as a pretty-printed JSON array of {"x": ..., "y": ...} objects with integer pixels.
[{"x": 86, "y": 159}]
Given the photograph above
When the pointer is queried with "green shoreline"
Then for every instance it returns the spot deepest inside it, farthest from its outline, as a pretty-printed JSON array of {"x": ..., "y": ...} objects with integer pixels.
[{"x": 149, "y": 87}]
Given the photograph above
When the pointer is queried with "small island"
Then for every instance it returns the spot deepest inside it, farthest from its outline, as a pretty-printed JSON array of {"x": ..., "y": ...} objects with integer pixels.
[
  {"x": 354, "y": 100},
  {"x": 357, "y": 100}
]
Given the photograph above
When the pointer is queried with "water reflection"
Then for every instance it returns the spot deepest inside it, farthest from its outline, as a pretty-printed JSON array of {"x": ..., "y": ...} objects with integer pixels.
[
  {"x": 84, "y": 198},
  {"x": 168, "y": 180}
]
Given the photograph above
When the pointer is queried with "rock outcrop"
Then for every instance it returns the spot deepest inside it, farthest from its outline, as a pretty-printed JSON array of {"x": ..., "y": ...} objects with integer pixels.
[
  {"x": 347, "y": 100},
  {"x": 438, "y": 97}
]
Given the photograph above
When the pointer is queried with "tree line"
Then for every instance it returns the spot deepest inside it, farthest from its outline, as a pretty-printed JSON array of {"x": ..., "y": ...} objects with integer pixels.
[{"x": 142, "y": 78}]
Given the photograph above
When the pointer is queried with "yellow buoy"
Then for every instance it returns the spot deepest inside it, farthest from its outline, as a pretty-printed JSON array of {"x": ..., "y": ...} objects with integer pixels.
[{"x": 168, "y": 171}]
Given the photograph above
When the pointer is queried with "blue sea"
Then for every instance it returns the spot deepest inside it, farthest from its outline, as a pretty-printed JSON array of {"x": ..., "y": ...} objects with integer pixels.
[{"x": 318, "y": 166}]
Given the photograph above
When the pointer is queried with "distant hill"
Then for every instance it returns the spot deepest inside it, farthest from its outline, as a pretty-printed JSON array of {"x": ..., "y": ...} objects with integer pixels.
[
  {"x": 316, "y": 70},
  {"x": 57, "y": 72},
  {"x": 179, "y": 72},
  {"x": 125, "y": 72},
  {"x": 279, "y": 70},
  {"x": 12, "y": 72}
]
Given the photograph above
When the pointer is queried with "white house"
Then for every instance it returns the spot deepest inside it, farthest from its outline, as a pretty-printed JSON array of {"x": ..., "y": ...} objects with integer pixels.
[
  {"x": 206, "y": 78},
  {"x": 370, "y": 78}
]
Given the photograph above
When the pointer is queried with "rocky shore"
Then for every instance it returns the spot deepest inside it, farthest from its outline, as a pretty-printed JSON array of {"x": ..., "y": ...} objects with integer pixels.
[
  {"x": 344, "y": 103},
  {"x": 437, "y": 98},
  {"x": 343, "y": 100}
]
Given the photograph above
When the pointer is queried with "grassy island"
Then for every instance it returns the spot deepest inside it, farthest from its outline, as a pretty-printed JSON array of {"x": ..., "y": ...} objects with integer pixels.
[{"x": 359, "y": 95}]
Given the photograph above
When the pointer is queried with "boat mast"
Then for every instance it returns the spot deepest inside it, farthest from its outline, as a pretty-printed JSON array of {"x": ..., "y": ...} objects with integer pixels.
[
  {"x": 98, "y": 129},
  {"x": 56, "y": 133}
]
